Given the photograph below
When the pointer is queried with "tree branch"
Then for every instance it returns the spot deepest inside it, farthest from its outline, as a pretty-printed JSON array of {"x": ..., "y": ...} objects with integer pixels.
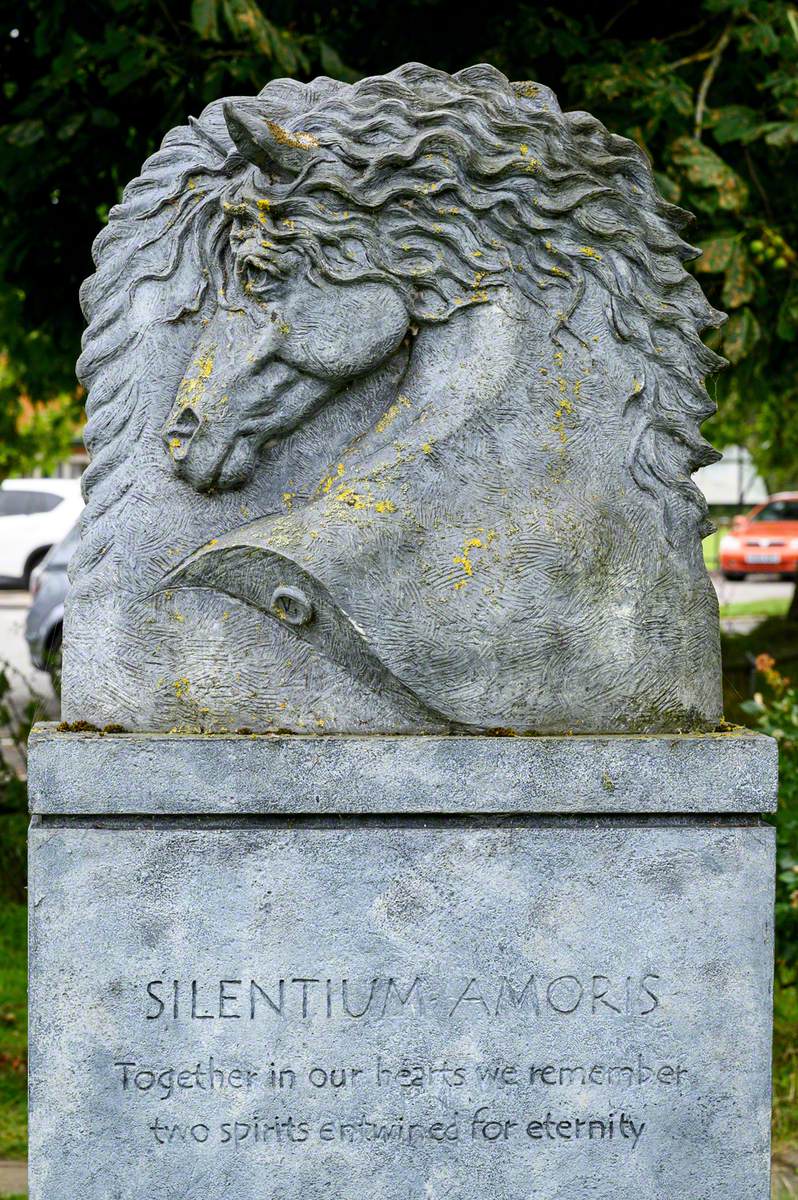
[
  {"x": 699, "y": 56},
  {"x": 758, "y": 183},
  {"x": 706, "y": 82},
  {"x": 620, "y": 13}
]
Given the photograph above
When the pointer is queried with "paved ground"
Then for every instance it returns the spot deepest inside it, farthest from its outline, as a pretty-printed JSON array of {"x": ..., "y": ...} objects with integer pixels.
[
  {"x": 14, "y": 651},
  {"x": 13, "y": 1178},
  {"x": 750, "y": 589}
]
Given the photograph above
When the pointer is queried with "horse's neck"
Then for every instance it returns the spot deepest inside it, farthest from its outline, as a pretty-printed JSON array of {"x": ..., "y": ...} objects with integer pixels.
[
  {"x": 508, "y": 416},
  {"x": 465, "y": 363}
]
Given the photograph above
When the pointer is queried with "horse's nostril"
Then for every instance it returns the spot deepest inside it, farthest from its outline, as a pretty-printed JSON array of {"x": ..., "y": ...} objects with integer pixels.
[{"x": 179, "y": 433}]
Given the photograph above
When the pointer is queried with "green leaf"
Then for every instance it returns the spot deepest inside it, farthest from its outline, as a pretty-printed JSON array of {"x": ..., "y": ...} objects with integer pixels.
[
  {"x": 332, "y": 64},
  {"x": 738, "y": 286},
  {"x": 668, "y": 187},
  {"x": 780, "y": 133},
  {"x": 740, "y": 335},
  {"x": 104, "y": 118},
  {"x": 734, "y": 123},
  {"x": 70, "y": 127},
  {"x": 247, "y": 22},
  {"x": 25, "y": 133},
  {"x": 205, "y": 19},
  {"x": 716, "y": 253},
  {"x": 706, "y": 169},
  {"x": 787, "y": 324}
]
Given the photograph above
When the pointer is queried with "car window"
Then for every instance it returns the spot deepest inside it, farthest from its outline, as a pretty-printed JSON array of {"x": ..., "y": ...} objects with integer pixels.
[
  {"x": 778, "y": 510},
  {"x": 60, "y": 554},
  {"x": 21, "y": 504}
]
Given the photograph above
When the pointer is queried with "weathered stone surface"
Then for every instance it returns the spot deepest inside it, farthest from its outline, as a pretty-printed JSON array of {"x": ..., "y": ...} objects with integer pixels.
[
  {"x": 395, "y": 390},
  {"x": 465, "y": 1010},
  {"x": 149, "y": 773}
]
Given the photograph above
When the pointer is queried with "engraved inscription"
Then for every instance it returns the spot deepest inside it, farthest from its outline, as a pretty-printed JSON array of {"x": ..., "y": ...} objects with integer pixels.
[
  {"x": 318, "y": 996},
  {"x": 277, "y": 1094}
]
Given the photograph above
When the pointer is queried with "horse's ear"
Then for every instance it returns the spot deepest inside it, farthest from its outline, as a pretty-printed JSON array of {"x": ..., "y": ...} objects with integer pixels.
[{"x": 264, "y": 142}]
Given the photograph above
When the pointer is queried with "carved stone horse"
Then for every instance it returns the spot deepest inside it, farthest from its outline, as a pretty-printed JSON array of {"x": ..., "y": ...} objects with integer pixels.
[{"x": 439, "y": 404}]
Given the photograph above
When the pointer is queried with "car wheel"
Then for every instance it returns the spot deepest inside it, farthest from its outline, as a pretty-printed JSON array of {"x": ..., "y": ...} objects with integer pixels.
[
  {"x": 733, "y": 576},
  {"x": 53, "y": 658},
  {"x": 33, "y": 562}
]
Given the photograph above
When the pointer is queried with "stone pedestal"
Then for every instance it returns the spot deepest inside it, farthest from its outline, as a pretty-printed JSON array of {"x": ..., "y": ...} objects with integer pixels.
[{"x": 400, "y": 968}]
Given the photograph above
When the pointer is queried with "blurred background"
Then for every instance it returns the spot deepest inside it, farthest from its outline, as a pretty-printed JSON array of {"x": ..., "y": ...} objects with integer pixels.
[{"x": 709, "y": 90}]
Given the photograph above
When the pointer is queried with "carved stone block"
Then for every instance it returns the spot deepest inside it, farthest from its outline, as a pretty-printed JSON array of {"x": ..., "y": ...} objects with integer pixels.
[{"x": 395, "y": 1007}]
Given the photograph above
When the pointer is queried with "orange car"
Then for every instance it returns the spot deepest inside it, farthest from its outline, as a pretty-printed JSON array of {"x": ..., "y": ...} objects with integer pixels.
[{"x": 765, "y": 541}]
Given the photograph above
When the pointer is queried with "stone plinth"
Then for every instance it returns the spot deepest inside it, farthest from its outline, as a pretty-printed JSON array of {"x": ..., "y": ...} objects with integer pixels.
[{"x": 400, "y": 968}]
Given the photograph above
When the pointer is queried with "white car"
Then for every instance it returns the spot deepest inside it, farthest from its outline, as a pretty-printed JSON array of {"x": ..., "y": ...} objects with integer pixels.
[{"x": 35, "y": 514}]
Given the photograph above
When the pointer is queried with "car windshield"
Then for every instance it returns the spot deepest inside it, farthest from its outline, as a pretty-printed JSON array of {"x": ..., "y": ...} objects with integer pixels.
[{"x": 778, "y": 510}]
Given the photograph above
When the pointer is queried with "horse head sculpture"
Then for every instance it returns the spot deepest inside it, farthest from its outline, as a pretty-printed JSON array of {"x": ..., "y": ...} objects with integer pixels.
[{"x": 443, "y": 333}]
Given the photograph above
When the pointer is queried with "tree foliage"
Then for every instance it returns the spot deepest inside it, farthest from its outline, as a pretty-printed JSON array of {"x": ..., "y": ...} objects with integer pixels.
[{"x": 710, "y": 91}]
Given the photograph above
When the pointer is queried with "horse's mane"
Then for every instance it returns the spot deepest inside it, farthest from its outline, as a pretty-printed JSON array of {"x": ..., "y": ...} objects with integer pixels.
[
  {"x": 160, "y": 260},
  {"x": 447, "y": 186}
]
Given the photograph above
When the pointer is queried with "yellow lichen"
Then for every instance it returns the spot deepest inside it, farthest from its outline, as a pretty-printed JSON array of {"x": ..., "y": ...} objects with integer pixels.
[
  {"x": 389, "y": 416},
  {"x": 427, "y": 447},
  {"x": 385, "y": 506},
  {"x": 524, "y": 148},
  {"x": 298, "y": 139},
  {"x": 465, "y": 561},
  {"x": 326, "y": 484},
  {"x": 590, "y": 252},
  {"x": 182, "y": 687},
  {"x": 353, "y": 499}
]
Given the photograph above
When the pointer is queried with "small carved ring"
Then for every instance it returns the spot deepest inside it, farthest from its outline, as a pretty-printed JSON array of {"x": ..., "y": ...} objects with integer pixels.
[{"x": 291, "y": 605}]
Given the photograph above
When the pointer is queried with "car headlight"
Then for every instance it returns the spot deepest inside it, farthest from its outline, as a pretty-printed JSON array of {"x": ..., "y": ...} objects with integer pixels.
[{"x": 729, "y": 544}]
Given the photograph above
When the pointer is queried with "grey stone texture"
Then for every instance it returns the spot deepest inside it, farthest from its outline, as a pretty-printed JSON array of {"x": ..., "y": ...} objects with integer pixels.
[
  {"x": 395, "y": 390},
  {"x": 461, "y": 1002},
  {"x": 93, "y": 773}
]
